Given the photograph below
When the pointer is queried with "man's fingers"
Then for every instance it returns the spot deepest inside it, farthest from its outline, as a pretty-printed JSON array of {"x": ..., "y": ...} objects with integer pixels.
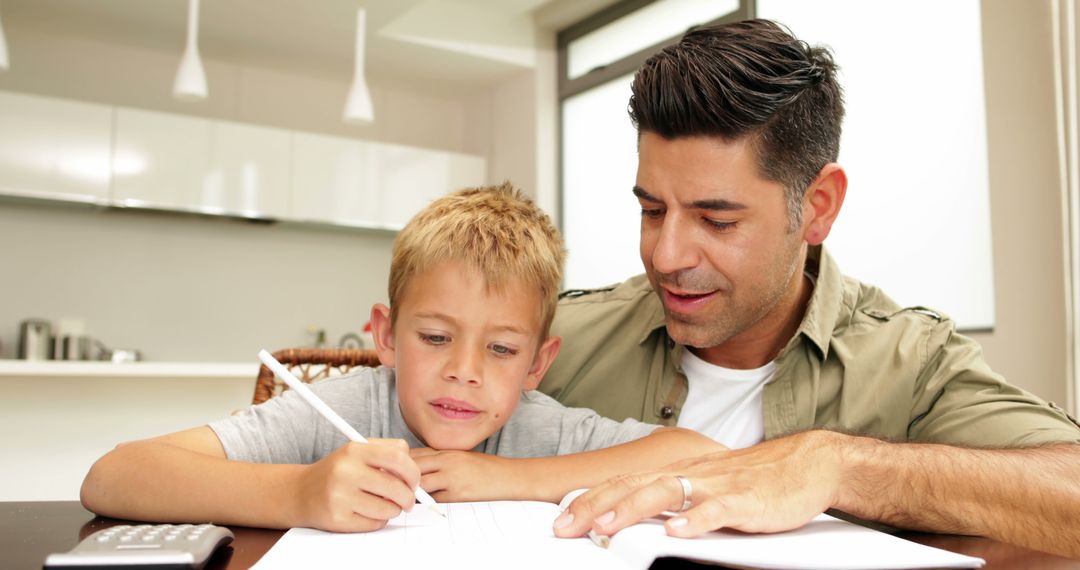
[
  {"x": 664, "y": 493},
  {"x": 711, "y": 514},
  {"x": 579, "y": 516}
]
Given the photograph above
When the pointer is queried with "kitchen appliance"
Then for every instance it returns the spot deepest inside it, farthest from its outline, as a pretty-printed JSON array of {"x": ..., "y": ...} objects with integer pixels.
[
  {"x": 35, "y": 339},
  {"x": 75, "y": 347}
]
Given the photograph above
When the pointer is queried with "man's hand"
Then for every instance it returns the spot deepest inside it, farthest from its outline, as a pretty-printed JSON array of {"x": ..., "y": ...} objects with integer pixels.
[
  {"x": 357, "y": 488},
  {"x": 456, "y": 476},
  {"x": 773, "y": 486}
]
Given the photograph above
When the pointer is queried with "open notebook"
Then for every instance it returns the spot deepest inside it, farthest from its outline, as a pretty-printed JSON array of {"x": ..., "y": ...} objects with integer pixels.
[{"x": 517, "y": 534}]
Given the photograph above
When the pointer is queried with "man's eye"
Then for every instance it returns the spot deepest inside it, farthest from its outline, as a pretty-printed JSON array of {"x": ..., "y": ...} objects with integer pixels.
[
  {"x": 436, "y": 339},
  {"x": 503, "y": 350},
  {"x": 721, "y": 225},
  {"x": 652, "y": 212}
]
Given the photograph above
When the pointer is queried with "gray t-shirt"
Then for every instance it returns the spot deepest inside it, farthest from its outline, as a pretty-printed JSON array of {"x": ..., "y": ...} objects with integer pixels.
[{"x": 286, "y": 429}]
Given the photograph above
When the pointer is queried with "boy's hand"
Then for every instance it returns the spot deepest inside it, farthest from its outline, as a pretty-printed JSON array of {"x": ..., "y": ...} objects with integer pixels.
[
  {"x": 455, "y": 476},
  {"x": 358, "y": 487}
]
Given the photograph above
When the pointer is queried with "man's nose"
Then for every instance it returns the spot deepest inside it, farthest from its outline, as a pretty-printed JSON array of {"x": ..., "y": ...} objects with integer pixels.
[{"x": 675, "y": 248}]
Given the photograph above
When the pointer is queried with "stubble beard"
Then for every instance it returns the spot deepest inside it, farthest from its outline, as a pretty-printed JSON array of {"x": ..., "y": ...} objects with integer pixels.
[{"x": 730, "y": 314}]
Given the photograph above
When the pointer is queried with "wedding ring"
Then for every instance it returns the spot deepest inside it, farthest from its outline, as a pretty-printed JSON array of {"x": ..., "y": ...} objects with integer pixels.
[{"x": 687, "y": 492}]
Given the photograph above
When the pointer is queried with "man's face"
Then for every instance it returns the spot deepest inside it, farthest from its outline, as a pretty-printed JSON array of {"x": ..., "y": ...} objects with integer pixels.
[
  {"x": 463, "y": 354},
  {"x": 715, "y": 240}
]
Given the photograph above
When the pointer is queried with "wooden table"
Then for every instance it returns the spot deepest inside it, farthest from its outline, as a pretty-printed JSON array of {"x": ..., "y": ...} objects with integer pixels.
[{"x": 29, "y": 531}]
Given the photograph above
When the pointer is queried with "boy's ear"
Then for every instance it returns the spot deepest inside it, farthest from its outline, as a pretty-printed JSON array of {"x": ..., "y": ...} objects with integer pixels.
[
  {"x": 382, "y": 331},
  {"x": 545, "y": 355}
]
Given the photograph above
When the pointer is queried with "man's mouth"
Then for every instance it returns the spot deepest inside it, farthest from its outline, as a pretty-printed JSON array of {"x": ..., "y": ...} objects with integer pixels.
[
  {"x": 685, "y": 301},
  {"x": 454, "y": 409}
]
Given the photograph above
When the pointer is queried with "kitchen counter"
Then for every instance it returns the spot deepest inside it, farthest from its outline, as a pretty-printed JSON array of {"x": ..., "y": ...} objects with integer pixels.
[
  {"x": 58, "y": 417},
  {"x": 100, "y": 369}
]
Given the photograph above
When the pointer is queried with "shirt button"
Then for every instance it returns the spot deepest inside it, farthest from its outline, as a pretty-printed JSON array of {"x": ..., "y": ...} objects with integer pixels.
[{"x": 667, "y": 412}]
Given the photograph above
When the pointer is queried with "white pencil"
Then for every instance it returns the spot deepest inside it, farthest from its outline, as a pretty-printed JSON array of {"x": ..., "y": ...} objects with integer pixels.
[{"x": 320, "y": 406}]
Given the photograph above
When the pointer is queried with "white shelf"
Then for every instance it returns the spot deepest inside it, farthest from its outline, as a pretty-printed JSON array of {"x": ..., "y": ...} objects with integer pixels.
[{"x": 90, "y": 369}]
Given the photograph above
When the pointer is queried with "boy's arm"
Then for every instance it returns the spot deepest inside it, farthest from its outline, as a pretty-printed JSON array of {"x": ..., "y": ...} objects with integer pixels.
[
  {"x": 186, "y": 477},
  {"x": 470, "y": 476}
]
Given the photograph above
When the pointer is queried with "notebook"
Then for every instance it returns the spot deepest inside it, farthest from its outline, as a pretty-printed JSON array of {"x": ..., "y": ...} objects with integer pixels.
[{"x": 502, "y": 534}]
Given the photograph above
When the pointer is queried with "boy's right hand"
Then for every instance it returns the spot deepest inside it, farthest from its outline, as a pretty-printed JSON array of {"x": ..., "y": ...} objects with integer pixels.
[{"x": 358, "y": 487}]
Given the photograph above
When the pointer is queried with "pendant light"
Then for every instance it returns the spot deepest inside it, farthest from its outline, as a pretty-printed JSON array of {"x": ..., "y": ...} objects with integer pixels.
[
  {"x": 358, "y": 106},
  {"x": 4, "y": 64},
  {"x": 190, "y": 84}
]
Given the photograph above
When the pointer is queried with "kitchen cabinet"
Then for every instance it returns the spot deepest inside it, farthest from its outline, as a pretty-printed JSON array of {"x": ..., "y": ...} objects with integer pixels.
[
  {"x": 410, "y": 178},
  {"x": 334, "y": 180},
  {"x": 122, "y": 156},
  {"x": 356, "y": 183},
  {"x": 195, "y": 164},
  {"x": 54, "y": 148}
]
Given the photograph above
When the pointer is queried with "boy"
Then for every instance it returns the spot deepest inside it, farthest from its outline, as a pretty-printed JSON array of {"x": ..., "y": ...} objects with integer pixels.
[{"x": 473, "y": 285}]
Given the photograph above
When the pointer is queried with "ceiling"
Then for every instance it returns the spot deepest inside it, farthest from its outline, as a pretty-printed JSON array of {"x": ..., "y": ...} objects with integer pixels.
[{"x": 449, "y": 45}]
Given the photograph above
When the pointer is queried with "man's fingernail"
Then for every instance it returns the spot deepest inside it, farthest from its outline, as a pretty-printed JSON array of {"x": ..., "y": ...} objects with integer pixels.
[
  {"x": 606, "y": 518},
  {"x": 677, "y": 522},
  {"x": 564, "y": 519}
]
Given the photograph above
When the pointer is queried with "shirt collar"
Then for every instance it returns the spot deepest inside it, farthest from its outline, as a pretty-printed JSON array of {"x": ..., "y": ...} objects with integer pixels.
[{"x": 823, "y": 310}]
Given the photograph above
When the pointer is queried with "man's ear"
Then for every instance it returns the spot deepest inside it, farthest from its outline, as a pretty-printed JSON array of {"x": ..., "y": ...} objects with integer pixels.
[
  {"x": 545, "y": 355},
  {"x": 382, "y": 331},
  {"x": 822, "y": 203}
]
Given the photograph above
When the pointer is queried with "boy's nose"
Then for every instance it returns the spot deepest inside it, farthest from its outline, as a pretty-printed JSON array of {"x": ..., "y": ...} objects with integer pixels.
[{"x": 465, "y": 366}]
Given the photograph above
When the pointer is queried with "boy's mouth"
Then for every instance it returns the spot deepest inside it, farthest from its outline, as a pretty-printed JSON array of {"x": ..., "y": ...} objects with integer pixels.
[{"x": 454, "y": 409}]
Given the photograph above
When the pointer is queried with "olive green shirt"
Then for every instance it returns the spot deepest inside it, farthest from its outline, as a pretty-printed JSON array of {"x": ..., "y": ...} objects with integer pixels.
[{"x": 859, "y": 363}]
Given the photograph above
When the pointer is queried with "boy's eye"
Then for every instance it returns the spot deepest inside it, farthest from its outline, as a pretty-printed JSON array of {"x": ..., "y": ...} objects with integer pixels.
[
  {"x": 435, "y": 339},
  {"x": 502, "y": 349}
]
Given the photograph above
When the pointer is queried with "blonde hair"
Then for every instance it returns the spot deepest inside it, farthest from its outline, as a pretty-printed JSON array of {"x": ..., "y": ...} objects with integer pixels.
[{"x": 494, "y": 229}]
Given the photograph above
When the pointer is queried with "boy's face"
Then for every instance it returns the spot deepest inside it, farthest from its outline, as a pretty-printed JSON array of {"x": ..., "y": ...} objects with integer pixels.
[{"x": 463, "y": 353}]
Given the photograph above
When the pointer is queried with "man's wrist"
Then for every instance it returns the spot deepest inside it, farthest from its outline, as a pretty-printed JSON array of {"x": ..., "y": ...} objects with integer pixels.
[{"x": 854, "y": 461}]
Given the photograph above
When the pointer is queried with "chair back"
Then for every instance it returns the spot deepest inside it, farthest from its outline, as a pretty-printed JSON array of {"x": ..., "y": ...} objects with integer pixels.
[{"x": 309, "y": 365}]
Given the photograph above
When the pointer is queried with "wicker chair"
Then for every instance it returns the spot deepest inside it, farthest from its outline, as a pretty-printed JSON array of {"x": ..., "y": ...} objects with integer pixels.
[{"x": 309, "y": 365}]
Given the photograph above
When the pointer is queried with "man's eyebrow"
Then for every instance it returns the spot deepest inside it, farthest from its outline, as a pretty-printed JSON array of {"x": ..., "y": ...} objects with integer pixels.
[
  {"x": 718, "y": 204},
  {"x": 642, "y": 194}
]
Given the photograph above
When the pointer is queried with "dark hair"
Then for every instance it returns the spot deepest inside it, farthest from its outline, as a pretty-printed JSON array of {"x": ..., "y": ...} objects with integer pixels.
[{"x": 747, "y": 78}]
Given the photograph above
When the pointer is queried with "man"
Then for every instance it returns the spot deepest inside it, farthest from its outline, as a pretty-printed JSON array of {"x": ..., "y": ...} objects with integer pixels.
[{"x": 829, "y": 394}]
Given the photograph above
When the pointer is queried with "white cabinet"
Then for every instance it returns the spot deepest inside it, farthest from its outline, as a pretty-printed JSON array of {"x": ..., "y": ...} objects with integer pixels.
[
  {"x": 356, "y": 183},
  {"x": 160, "y": 160},
  {"x": 131, "y": 157},
  {"x": 190, "y": 163},
  {"x": 52, "y": 148},
  {"x": 410, "y": 178},
  {"x": 334, "y": 180},
  {"x": 249, "y": 171}
]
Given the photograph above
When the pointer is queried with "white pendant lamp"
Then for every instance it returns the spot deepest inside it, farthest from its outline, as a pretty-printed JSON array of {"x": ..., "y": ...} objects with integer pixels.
[
  {"x": 4, "y": 64},
  {"x": 358, "y": 106},
  {"x": 190, "y": 84}
]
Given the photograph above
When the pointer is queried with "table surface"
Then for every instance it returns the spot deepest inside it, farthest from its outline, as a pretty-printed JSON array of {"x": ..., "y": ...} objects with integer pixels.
[{"x": 29, "y": 531}]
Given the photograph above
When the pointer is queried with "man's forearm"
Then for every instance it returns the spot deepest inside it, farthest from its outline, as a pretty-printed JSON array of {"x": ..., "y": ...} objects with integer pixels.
[
  {"x": 1027, "y": 496},
  {"x": 154, "y": 481}
]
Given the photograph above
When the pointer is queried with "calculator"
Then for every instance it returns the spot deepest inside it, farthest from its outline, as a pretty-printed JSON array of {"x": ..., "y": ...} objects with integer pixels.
[{"x": 164, "y": 546}]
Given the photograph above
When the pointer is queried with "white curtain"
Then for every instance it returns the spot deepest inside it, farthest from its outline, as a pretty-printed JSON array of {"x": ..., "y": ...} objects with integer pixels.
[{"x": 1065, "y": 79}]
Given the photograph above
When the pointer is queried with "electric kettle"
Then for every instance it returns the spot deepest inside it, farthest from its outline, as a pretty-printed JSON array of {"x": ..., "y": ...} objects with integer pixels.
[{"x": 35, "y": 339}]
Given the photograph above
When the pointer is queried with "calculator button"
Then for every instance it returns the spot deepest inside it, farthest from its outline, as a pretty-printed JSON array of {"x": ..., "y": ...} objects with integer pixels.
[
  {"x": 104, "y": 538},
  {"x": 170, "y": 537}
]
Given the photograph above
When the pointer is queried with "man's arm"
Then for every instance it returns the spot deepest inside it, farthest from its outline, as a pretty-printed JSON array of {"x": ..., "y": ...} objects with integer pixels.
[
  {"x": 1029, "y": 497},
  {"x": 185, "y": 477},
  {"x": 468, "y": 476}
]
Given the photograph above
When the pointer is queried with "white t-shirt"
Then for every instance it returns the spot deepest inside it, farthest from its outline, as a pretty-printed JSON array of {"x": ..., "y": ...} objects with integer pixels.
[{"x": 725, "y": 403}]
